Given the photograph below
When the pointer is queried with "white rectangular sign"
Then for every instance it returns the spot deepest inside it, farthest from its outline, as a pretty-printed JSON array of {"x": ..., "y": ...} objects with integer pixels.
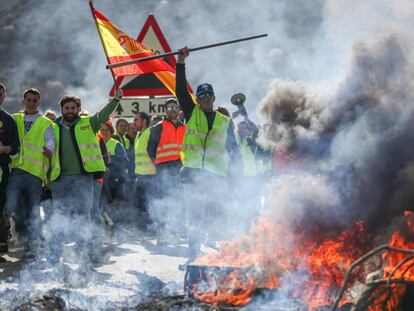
[{"x": 128, "y": 107}]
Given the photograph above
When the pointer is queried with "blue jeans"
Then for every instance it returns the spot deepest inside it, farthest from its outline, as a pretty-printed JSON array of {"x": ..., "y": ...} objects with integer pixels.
[
  {"x": 26, "y": 187},
  {"x": 74, "y": 209}
]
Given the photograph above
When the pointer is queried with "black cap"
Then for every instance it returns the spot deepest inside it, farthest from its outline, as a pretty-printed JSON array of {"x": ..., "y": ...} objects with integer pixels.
[{"x": 204, "y": 88}]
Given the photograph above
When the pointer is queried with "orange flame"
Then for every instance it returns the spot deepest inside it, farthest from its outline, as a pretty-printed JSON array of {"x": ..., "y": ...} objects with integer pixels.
[
  {"x": 273, "y": 254},
  {"x": 390, "y": 300}
]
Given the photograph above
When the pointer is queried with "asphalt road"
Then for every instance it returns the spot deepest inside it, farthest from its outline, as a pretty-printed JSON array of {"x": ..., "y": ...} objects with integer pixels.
[{"x": 134, "y": 268}]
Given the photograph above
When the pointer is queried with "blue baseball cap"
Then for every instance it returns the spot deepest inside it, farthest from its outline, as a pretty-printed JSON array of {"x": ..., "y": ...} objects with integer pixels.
[{"x": 204, "y": 88}]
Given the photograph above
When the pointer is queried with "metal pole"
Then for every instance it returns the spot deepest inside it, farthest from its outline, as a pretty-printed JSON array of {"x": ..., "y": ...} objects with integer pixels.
[{"x": 144, "y": 59}]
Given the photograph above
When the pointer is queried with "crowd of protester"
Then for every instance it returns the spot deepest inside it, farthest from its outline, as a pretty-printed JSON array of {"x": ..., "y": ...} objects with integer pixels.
[{"x": 170, "y": 177}]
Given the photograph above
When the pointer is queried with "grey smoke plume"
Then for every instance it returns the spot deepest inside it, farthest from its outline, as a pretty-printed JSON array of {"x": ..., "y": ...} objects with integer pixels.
[{"x": 359, "y": 135}]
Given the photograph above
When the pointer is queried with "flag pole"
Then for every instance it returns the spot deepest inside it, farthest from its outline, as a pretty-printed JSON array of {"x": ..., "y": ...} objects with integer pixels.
[
  {"x": 144, "y": 59},
  {"x": 100, "y": 37}
]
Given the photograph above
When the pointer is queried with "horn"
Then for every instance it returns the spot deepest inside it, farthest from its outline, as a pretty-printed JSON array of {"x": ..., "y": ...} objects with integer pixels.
[{"x": 238, "y": 100}]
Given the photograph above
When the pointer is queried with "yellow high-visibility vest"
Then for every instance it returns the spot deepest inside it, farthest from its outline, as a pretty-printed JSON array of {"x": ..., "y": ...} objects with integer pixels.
[
  {"x": 88, "y": 146},
  {"x": 123, "y": 140},
  {"x": 252, "y": 166},
  {"x": 30, "y": 158},
  {"x": 204, "y": 148},
  {"x": 248, "y": 157},
  {"x": 111, "y": 145},
  {"x": 143, "y": 163}
]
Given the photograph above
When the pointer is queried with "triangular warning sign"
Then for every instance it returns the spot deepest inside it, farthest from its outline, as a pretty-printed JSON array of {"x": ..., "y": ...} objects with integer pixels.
[
  {"x": 119, "y": 110},
  {"x": 147, "y": 84}
]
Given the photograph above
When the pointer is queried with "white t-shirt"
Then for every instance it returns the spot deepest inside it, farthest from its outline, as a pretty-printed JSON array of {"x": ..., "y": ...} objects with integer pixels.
[{"x": 29, "y": 120}]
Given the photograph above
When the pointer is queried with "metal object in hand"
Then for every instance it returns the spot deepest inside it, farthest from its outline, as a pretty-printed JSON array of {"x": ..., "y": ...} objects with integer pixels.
[{"x": 238, "y": 100}]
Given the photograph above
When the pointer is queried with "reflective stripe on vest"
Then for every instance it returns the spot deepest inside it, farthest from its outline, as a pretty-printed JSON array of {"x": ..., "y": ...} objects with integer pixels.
[
  {"x": 143, "y": 163},
  {"x": 169, "y": 147},
  {"x": 88, "y": 145},
  {"x": 31, "y": 158},
  {"x": 203, "y": 148},
  {"x": 111, "y": 145}
]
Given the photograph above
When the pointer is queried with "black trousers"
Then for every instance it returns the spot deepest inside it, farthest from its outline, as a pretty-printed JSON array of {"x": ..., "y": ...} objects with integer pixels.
[
  {"x": 144, "y": 188},
  {"x": 4, "y": 224}
]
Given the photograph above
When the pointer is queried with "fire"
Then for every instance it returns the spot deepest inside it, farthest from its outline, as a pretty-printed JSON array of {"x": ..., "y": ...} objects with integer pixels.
[
  {"x": 397, "y": 267},
  {"x": 274, "y": 255}
]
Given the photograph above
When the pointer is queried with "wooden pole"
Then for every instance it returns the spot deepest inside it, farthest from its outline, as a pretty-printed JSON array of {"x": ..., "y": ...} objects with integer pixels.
[{"x": 144, "y": 59}]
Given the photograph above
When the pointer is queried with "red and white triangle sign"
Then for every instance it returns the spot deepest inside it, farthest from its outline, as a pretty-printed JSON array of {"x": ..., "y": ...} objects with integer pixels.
[{"x": 152, "y": 37}]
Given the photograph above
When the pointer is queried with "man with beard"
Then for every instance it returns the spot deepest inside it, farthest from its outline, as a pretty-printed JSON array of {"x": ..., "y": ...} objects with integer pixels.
[
  {"x": 78, "y": 162},
  {"x": 28, "y": 171},
  {"x": 144, "y": 169},
  {"x": 9, "y": 145},
  {"x": 164, "y": 148}
]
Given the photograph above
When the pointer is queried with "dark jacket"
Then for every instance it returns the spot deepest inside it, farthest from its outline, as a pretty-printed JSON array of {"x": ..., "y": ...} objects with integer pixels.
[{"x": 9, "y": 136}]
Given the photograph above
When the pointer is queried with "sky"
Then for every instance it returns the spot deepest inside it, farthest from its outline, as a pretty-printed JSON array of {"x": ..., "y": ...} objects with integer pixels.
[{"x": 308, "y": 41}]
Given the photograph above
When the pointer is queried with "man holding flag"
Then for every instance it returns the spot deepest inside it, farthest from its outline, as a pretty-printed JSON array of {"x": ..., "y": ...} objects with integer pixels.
[{"x": 76, "y": 164}]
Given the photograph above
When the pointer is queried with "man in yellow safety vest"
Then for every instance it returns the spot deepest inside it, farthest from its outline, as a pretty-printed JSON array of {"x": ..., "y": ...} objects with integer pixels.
[
  {"x": 144, "y": 169},
  {"x": 77, "y": 163},
  {"x": 29, "y": 168},
  {"x": 115, "y": 180},
  {"x": 209, "y": 155}
]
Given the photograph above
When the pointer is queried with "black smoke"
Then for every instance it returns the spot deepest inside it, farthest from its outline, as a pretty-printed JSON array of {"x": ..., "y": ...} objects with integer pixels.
[{"x": 359, "y": 136}]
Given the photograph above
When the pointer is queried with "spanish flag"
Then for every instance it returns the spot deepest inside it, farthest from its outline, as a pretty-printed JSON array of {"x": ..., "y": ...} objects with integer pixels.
[{"x": 119, "y": 47}]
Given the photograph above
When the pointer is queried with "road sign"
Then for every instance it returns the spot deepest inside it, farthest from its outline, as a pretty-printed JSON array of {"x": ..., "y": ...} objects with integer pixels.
[
  {"x": 128, "y": 107},
  {"x": 151, "y": 37}
]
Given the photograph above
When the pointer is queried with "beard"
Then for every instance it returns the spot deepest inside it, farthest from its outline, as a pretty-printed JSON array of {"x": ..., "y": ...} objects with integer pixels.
[{"x": 69, "y": 117}]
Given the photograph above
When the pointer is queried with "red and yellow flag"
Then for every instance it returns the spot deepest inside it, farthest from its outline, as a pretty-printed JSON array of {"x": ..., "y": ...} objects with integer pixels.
[{"x": 119, "y": 47}]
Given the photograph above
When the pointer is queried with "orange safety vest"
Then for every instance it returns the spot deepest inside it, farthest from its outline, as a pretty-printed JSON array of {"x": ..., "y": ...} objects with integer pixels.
[{"x": 169, "y": 147}]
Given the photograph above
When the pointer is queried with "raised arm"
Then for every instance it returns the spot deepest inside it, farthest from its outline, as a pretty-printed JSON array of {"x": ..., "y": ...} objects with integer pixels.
[
  {"x": 183, "y": 96},
  {"x": 101, "y": 117}
]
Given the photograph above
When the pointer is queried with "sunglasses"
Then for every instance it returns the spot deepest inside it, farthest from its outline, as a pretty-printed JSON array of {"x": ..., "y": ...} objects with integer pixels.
[
  {"x": 205, "y": 96},
  {"x": 172, "y": 108}
]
